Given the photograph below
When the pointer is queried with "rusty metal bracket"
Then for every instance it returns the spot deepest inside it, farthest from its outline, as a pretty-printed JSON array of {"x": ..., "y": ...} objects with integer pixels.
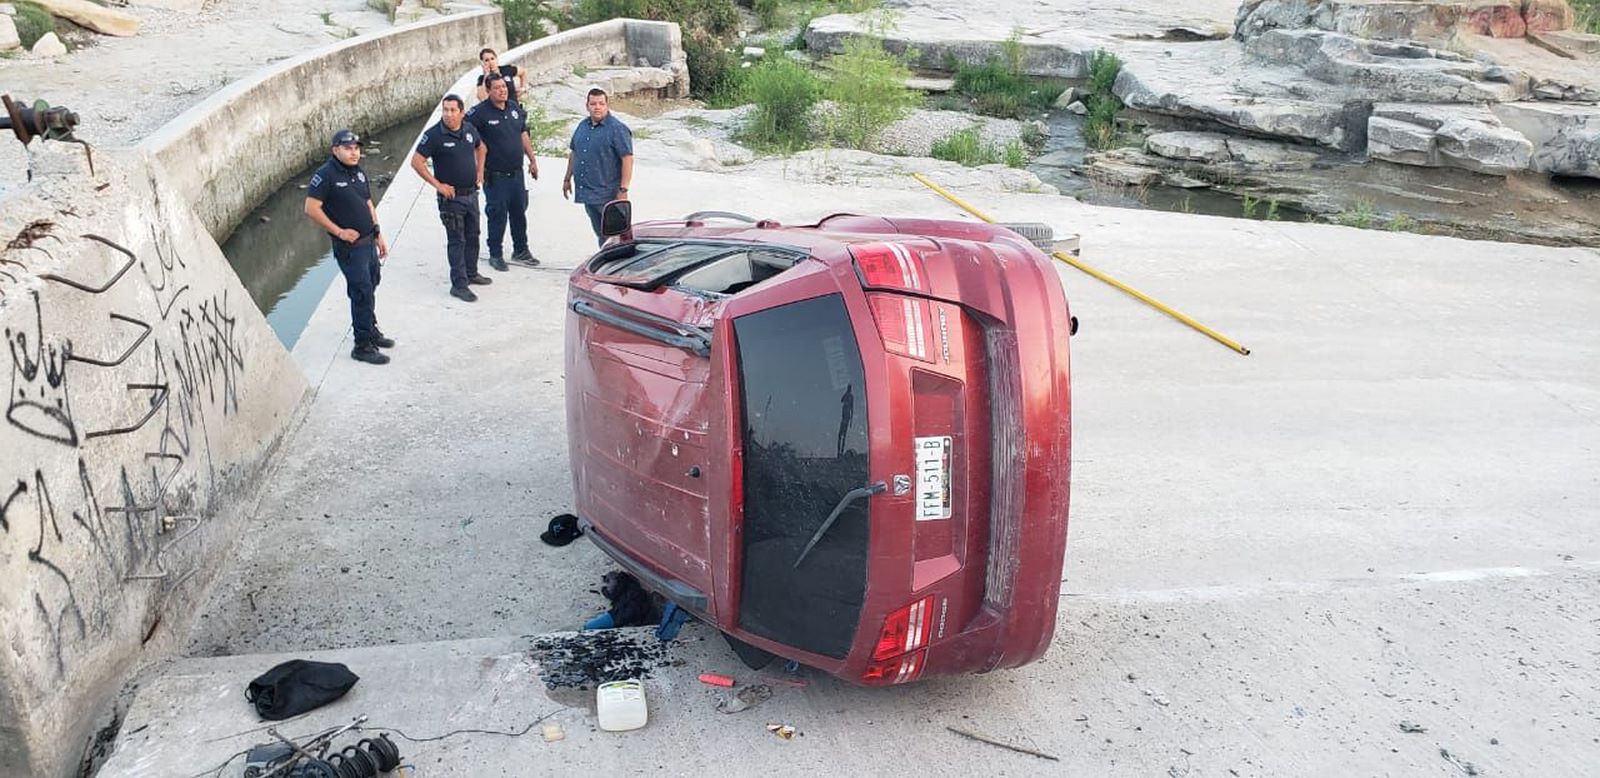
[{"x": 41, "y": 120}]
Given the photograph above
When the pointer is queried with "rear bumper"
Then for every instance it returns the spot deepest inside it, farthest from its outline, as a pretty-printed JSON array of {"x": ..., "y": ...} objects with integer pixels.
[{"x": 684, "y": 595}]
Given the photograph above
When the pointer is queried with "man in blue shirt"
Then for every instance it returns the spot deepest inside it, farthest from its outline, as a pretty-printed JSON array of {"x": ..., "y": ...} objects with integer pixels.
[
  {"x": 338, "y": 201},
  {"x": 457, "y": 153},
  {"x": 600, "y": 157},
  {"x": 504, "y": 128}
]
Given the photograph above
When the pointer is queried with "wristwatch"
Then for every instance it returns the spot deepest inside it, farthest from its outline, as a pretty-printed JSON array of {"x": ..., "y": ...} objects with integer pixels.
[{"x": 622, "y": 189}]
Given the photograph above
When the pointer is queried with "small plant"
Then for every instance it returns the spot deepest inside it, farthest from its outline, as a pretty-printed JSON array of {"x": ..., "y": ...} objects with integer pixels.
[
  {"x": 1360, "y": 215},
  {"x": 784, "y": 93},
  {"x": 580, "y": 70},
  {"x": 869, "y": 91},
  {"x": 1401, "y": 223},
  {"x": 33, "y": 23},
  {"x": 767, "y": 12},
  {"x": 1032, "y": 136},
  {"x": 525, "y": 20},
  {"x": 541, "y": 128},
  {"x": 1187, "y": 205},
  {"x": 1272, "y": 211},
  {"x": 327, "y": 18},
  {"x": 1100, "y": 126},
  {"x": 1588, "y": 13},
  {"x": 999, "y": 87},
  {"x": 1015, "y": 154},
  {"x": 697, "y": 122},
  {"x": 966, "y": 148},
  {"x": 1249, "y": 205}
]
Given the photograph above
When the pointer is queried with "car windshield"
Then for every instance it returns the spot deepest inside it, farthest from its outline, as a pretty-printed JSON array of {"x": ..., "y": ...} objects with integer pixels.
[
  {"x": 805, "y": 448},
  {"x": 645, "y": 263}
]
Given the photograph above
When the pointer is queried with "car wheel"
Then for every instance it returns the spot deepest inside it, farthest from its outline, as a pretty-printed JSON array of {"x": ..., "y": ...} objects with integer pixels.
[{"x": 1039, "y": 234}]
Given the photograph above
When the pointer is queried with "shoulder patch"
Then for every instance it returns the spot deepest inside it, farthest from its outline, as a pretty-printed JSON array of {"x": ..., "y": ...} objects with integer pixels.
[
  {"x": 316, "y": 178},
  {"x": 424, "y": 139}
]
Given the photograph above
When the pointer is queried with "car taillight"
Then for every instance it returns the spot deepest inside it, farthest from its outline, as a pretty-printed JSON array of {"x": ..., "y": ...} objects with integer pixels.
[
  {"x": 900, "y": 669},
  {"x": 902, "y": 644},
  {"x": 905, "y": 630},
  {"x": 890, "y": 265},
  {"x": 905, "y": 324}
]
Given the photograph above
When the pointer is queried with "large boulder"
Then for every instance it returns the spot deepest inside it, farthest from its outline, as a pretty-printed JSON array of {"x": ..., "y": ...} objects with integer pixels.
[
  {"x": 1215, "y": 148},
  {"x": 1385, "y": 71},
  {"x": 1401, "y": 20},
  {"x": 1565, "y": 137},
  {"x": 9, "y": 39},
  {"x": 1468, "y": 137}
]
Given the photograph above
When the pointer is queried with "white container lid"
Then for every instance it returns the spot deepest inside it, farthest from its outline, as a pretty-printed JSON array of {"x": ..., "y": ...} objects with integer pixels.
[{"x": 621, "y": 705}]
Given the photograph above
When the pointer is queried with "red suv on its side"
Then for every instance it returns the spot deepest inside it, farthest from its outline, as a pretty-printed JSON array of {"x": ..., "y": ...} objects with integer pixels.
[{"x": 845, "y": 443}]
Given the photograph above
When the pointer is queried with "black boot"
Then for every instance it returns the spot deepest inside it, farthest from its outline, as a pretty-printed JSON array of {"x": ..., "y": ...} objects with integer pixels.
[{"x": 368, "y": 353}]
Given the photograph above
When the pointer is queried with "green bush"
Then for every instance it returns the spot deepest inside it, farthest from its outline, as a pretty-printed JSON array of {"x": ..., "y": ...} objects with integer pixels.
[
  {"x": 784, "y": 93},
  {"x": 522, "y": 20},
  {"x": 999, "y": 88},
  {"x": 966, "y": 148},
  {"x": 33, "y": 23},
  {"x": 1016, "y": 154},
  {"x": 869, "y": 91},
  {"x": 541, "y": 128},
  {"x": 1100, "y": 126},
  {"x": 767, "y": 12},
  {"x": 708, "y": 26},
  {"x": 1588, "y": 15}
]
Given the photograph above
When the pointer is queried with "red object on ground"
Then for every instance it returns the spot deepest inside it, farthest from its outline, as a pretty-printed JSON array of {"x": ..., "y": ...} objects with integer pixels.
[
  {"x": 847, "y": 444},
  {"x": 712, "y": 679}
]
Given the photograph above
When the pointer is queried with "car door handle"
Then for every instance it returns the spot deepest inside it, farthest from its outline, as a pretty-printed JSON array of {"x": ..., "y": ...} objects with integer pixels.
[{"x": 697, "y": 343}]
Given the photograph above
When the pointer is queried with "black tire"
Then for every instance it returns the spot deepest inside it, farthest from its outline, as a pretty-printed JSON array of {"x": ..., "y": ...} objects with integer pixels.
[{"x": 1039, "y": 234}]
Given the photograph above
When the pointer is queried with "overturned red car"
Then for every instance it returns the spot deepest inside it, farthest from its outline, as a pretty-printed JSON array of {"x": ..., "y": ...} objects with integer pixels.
[{"x": 845, "y": 443}]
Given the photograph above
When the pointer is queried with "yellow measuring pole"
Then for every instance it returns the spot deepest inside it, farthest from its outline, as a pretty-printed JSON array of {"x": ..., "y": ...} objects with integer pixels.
[{"x": 1081, "y": 265}]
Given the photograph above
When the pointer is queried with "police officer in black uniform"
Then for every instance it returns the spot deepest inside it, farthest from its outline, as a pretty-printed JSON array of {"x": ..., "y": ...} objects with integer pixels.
[
  {"x": 339, "y": 201},
  {"x": 504, "y": 127},
  {"x": 457, "y": 152}
]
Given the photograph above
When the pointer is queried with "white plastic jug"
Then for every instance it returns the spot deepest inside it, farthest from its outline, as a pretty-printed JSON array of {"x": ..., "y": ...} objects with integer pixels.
[{"x": 621, "y": 706}]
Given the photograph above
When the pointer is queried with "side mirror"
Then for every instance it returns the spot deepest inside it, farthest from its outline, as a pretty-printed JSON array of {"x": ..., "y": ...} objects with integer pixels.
[{"x": 616, "y": 218}]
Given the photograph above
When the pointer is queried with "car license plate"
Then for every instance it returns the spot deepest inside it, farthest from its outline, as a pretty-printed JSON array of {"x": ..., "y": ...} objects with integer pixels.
[{"x": 933, "y": 478}]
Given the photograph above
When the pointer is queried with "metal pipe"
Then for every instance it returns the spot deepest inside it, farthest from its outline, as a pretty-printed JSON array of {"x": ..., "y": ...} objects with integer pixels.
[{"x": 1085, "y": 267}]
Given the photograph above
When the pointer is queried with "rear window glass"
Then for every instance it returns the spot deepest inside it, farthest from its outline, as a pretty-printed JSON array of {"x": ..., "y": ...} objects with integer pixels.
[
  {"x": 650, "y": 262},
  {"x": 805, "y": 447}
]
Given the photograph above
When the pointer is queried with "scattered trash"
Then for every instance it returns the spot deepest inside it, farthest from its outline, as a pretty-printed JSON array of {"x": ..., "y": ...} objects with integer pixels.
[
  {"x": 563, "y": 529},
  {"x": 1007, "y": 746},
  {"x": 745, "y": 699},
  {"x": 620, "y": 705},
  {"x": 1406, "y": 726},
  {"x": 785, "y": 731},
  {"x": 584, "y": 659},
  {"x": 1465, "y": 767},
  {"x": 713, "y": 679},
  {"x": 1494, "y": 741},
  {"x": 793, "y": 683},
  {"x": 553, "y": 732},
  {"x": 791, "y": 666}
]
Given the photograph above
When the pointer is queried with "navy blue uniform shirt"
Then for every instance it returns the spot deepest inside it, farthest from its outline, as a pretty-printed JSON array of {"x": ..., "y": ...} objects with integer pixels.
[
  {"x": 344, "y": 195},
  {"x": 598, "y": 150},
  {"x": 454, "y": 154},
  {"x": 502, "y": 130}
]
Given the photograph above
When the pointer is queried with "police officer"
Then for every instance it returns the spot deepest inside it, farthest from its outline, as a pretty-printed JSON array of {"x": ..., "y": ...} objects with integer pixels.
[
  {"x": 339, "y": 201},
  {"x": 457, "y": 153},
  {"x": 504, "y": 127}
]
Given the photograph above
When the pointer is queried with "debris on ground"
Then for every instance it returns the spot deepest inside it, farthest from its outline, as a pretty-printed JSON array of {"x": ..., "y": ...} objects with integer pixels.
[
  {"x": 713, "y": 679},
  {"x": 585, "y": 659},
  {"x": 1465, "y": 767},
  {"x": 785, "y": 731},
  {"x": 745, "y": 699},
  {"x": 1409, "y": 727},
  {"x": 552, "y": 732},
  {"x": 1002, "y": 744}
]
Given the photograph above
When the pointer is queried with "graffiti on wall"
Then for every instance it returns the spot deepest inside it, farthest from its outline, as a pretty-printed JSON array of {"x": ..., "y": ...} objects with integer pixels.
[{"x": 119, "y": 408}]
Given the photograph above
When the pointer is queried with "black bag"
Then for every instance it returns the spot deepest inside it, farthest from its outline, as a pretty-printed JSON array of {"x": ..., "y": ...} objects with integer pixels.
[{"x": 297, "y": 686}]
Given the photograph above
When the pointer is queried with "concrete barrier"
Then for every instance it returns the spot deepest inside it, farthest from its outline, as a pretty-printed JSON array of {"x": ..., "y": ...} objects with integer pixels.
[
  {"x": 230, "y": 151},
  {"x": 145, "y": 395}
]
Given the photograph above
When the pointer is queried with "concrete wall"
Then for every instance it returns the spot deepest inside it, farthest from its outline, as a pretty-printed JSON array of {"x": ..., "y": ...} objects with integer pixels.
[
  {"x": 145, "y": 393},
  {"x": 619, "y": 42},
  {"x": 227, "y": 153}
]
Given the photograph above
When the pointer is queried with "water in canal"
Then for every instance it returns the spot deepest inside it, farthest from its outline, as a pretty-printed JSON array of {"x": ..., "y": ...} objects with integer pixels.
[{"x": 284, "y": 260}]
